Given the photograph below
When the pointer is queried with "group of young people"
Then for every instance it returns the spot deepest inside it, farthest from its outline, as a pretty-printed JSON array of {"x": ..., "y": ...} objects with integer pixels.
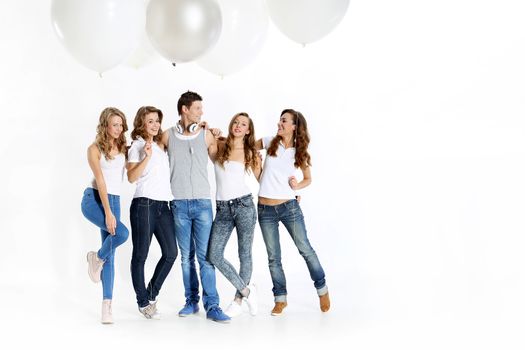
[{"x": 172, "y": 202}]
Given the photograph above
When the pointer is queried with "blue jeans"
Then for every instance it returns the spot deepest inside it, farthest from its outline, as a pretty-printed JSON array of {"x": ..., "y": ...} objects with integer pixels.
[
  {"x": 238, "y": 213},
  {"x": 150, "y": 217},
  {"x": 94, "y": 211},
  {"x": 193, "y": 219},
  {"x": 290, "y": 214}
]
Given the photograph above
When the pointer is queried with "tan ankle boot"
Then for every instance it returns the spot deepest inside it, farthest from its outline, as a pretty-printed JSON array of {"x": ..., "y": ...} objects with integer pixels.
[
  {"x": 107, "y": 315},
  {"x": 324, "y": 302},
  {"x": 279, "y": 308}
]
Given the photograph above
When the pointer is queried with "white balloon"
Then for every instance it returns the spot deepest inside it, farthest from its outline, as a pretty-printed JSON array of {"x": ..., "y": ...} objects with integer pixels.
[
  {"x": 183, "y": 30},
  {"x": 306, "y": 21},
  {"x": 244, "y": 28},
  {"x": 98, "y": 33}
]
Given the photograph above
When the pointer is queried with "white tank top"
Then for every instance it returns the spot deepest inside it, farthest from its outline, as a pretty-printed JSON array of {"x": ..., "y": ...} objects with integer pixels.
[
  {"x": 113, "y": 172},
  {"x": 231, "y": 181}
]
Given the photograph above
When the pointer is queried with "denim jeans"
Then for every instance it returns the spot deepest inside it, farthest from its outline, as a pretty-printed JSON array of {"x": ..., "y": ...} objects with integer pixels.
[
  {"x": 290, "y": 214},
  {"x": 150, "y": 217},
  {"x": 94, "y": 211},
  {"x": 193, "y": 219},
  {"x": 237, "y": 213}
]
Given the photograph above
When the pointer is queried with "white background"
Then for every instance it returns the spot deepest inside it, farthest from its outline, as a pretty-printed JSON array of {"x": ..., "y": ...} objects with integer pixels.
[{"x": 416, "y": 112}]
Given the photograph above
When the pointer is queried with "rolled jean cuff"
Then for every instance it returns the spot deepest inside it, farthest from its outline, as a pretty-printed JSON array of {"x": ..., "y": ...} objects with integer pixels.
[
  {"x": 280, "y": 298},
  {"x": 322, "y": 291}
]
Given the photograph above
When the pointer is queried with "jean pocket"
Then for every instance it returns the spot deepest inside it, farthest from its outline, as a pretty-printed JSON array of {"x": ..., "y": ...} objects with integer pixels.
[{"x": 247, "y": 202}]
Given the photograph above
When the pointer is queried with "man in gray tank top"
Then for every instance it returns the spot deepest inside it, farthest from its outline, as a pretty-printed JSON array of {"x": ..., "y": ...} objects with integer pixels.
[{"x": 188, "y": 147}]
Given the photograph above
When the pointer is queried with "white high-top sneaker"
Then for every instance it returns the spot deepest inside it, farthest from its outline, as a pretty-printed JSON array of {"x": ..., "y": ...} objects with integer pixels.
[
  {"x": 251, "y": 300},
  {"x": 107, "y": 313},
  {"x": 94, "y": 266}
]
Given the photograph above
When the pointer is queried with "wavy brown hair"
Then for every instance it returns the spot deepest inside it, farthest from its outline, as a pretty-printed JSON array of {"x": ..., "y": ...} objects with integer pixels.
[
  {"x": 301, "y": 140},
  {"x": 250, "y": 153},
  {"x": 102, "y": 139},
  {"x": 139, "y": 124}
]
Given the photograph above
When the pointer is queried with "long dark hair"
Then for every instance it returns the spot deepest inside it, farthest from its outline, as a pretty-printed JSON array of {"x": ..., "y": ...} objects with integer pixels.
[
  {"x": 250, "y": 153},
  {"x": 301, "y": 140}
]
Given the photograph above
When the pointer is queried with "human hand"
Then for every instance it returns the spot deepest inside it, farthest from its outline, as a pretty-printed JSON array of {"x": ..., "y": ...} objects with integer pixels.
[
  {"x": 216, "y": 132},
  {"x": 111, "y": 223},
  {"x": 148, "y": 149},
  {"x": 292, "y": 181}
]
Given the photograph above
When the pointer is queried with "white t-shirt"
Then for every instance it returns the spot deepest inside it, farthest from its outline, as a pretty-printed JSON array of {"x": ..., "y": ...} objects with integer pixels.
[
  {"x": 276, "y": 172},
  {"x": 154, "y": 183},
  {"x": 231, "y": 180}
]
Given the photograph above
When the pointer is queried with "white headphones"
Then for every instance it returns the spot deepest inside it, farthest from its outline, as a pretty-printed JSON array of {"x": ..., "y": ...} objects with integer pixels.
[{"x": 191, "y": 128}]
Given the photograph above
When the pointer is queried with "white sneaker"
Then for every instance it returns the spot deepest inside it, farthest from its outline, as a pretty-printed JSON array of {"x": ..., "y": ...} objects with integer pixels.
[
  {"x": 107, "y": 312},
  {"x": 233, "y": 310},
  {"x": 94, "y": 266},
  {"x": 251, "y": 300},
  {"x": 150, "y": 311}
]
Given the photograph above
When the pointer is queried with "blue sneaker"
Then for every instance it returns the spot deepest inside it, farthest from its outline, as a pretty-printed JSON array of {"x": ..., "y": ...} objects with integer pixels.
[
  {"x": 189, "y": 309},
  {"x": 216, "y": 314}
]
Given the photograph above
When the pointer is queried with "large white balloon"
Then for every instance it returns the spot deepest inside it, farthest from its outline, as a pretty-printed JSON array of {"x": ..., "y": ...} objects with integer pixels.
[
  {"x": 244, "y": 28},
  {"x": 183, "y": 30},
  {"x": 99, "y": 33},
  {"x": 306, "y": 21}
]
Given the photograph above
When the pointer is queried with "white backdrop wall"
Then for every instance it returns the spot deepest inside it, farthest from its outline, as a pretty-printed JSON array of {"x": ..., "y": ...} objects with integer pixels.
[{"x": 416, "y": 112}]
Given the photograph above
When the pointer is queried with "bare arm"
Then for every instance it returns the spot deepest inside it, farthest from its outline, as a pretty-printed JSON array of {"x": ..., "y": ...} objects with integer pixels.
[
  {"x": 306, "y": 181},
  {"x": 257, "y": 170},
  {"x": 259, "y": 144},
  {"x": 94, "y": 155},
  {"x": 212, "y": 145},
  {"x": 135, "y": 170}
]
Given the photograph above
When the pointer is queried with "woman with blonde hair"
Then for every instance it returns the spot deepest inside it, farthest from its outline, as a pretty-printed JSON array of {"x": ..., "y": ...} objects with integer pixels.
[
  {"x": 101, "y": 201},
  {"x": 150, "y": 212},
  {"x": 235, "y": 158},
  {"x": 287, "y": 152}
]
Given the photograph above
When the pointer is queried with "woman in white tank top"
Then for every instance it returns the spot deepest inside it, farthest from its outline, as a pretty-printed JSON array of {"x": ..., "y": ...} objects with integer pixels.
[
  {"x": 287, "y": 152},
  {"x": 101, "y": 201},
  {"x": 234, "y": 159}
]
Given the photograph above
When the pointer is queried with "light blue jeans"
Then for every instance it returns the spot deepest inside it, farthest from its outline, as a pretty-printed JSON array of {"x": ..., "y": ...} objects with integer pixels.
[
  {"x": 193, "y": 219},
  {"x": 290, "y": 214},
  {"x": 94, "y": 211}
]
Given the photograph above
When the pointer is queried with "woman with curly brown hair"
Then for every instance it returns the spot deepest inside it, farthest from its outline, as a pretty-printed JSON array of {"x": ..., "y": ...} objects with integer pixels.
[
  {"x": 236, "y": 157},
  {"x": 101, "y": 201},
  {"x": 286, "y": 153},
  {"x": 150, "y": 212}
]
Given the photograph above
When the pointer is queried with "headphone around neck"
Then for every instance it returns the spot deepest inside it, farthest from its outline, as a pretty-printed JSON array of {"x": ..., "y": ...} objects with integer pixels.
[{"x": 191, "y": 128}]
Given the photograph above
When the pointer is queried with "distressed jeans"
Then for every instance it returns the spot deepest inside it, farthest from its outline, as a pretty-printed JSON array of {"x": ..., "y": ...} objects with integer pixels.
[
  {"x": 290, "y": 214},
  {"x": 238, "y": 213},
  {"x": 193, "y": 219}
]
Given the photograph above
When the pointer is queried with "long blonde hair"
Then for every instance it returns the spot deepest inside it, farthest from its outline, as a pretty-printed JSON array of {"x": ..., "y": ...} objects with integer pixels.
[
  {"x": 102, "y": 139},
  {"x": 250, "y": 153}
]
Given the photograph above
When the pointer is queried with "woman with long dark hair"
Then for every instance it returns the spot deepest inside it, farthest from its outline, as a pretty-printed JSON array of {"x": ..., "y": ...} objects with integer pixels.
[
  {"x": 287, "y": 152},
  {"x": 236, "y": 157}
]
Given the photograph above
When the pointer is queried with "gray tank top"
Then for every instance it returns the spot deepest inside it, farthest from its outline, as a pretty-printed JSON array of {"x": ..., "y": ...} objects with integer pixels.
[{"x": 188, "y": 165}]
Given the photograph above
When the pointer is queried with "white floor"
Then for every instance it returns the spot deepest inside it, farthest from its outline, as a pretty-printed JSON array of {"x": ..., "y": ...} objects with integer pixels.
[{"x": 42, "y": 316}]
